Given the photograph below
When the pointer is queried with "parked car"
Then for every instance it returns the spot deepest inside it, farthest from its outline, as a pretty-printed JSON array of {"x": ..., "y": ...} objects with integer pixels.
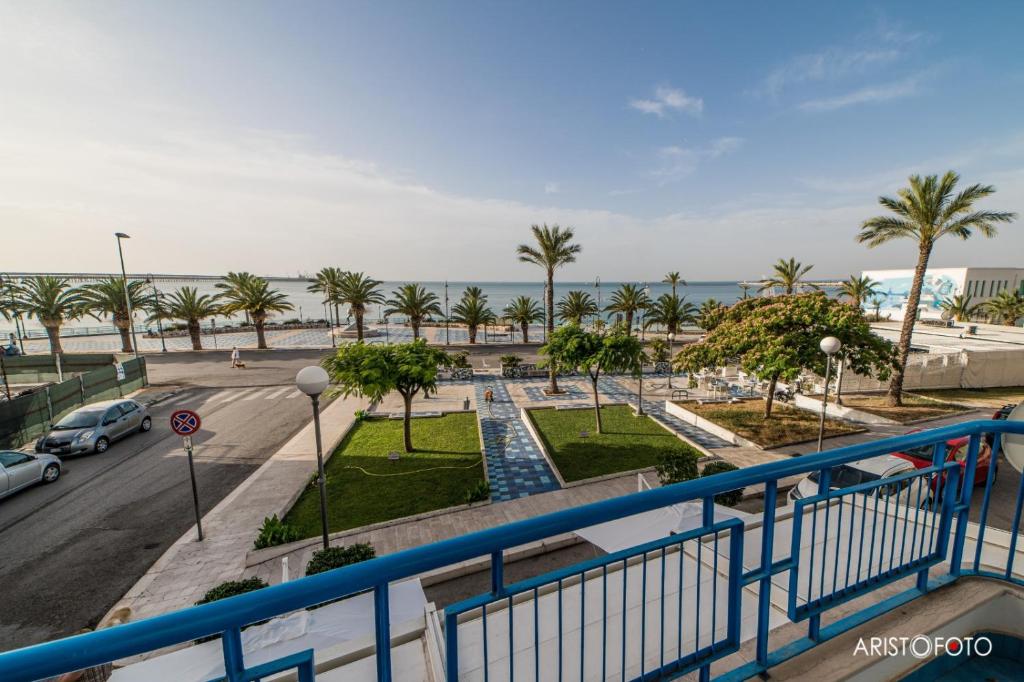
[
  {"x": 21, "y": 469},
  {"x": 94, "y": 427},
  {"x": 1001, "y": 414},
  {"x": 956, "y": 451},
  {"x": 863, "y": 471}
]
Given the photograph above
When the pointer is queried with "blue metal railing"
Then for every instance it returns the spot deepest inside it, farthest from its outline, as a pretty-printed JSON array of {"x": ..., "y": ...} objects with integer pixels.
[{"x": 946, "y": 506}]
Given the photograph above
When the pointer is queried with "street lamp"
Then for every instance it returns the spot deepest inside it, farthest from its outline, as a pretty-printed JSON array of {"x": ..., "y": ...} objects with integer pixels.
[
  {"x": 127, "y": 296},
  {"x": 447, "y": 340},
  {"x": 829, "y": 345},
  {"x": 671, "y": 339},
  {"x": 313, "y": 381}
]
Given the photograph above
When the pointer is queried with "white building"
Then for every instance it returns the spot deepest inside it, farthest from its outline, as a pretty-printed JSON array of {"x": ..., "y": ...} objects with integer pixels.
[{"x": 980, "y": 284}]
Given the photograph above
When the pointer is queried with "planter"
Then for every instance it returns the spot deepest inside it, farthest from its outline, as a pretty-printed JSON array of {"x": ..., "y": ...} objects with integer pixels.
[
  {"x": 805, "y": 402},
  {"x": 680, "y": 412}
]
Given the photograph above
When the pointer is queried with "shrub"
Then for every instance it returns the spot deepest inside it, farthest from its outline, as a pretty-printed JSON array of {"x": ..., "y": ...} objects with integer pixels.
[
  {"x": 511, "y": 360},
  {"x": 361, "y": 415},
  {"x": 730, "y": 498},
  {"x": 676, "y": 467},
  {"x": 232, "y": 588},
  {"x": 480, "y": 493},
  {"x": 460, "y": 360},
  {"x": 659, "y": 350},
  {"x": 275, "y": 532},
  {"x": 336, "y": 557}
]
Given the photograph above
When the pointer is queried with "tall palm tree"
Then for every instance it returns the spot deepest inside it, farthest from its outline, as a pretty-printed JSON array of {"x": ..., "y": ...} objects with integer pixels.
[
  {"x": 675, "y": 280},
  {"x": 524, "y": 311},
  {"x": 254, "y": 296},
  {"x": 235, "y": 281},
  {"x": 629, "y": 299},
  {"x": 328, "y": 282},
  {"x": 961, "y": 307},
  {"x": 188, "y": 305},
  {"x": 52, "y": 301},
  {"x": 671, "y": 312},
  {"x": 554, "y": 249},
  {"x": 1005, "y": 307},
  {"x": 708, "y": 313},
  {"x": 106, "y": 297},
  {"x": 858, "y": 290},
  {"x": 789, "y": 275},
  {"x": 472, "y": 311},
  {"x": 925, "y": 212},
  {"x": 359, "y": 292},
  {"x": 416, "y": 303},
  {"x": 576, "y": 305}
]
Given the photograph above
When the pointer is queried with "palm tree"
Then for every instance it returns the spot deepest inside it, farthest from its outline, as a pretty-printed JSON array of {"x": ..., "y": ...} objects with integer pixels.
[
  {"x": 106, "y": 297},
  {"x": 236, "y": 281},
  {"x": 554, "y": 249},
  {"x": 576, "y": 305},
  {"x": 671, "y": 312},
  {"x": 789, "y": 276},
  {"x": 925, "y": 212},
  {"x": 472, "y": 311},
  {"x": 50, "y": 300},
  {"x": 858, "y": 290},
  {"x": 708, "y": 312},
  {"x": 254, "y": 296},
  {"x": 961, "y": 307},
  {"x": 675, "y": 280},
  {"x": 188, "y": 305},
  {"x": 524, "y": 311},
  {"x": 328, "y": 282},
  {"x": 359, "y": 291},
  {"x": 1005, "y": 307},
  {"x": 629, "y": 299},
  {"x": 416, "y": 303}
]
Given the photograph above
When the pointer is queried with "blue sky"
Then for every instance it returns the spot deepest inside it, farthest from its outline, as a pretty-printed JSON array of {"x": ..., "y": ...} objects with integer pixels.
[{"x": 420, "y": 140}]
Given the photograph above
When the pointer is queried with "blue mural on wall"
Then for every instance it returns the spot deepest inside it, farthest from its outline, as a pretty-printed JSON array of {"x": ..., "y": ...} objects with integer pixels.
[{"x": 894, "y": 291}]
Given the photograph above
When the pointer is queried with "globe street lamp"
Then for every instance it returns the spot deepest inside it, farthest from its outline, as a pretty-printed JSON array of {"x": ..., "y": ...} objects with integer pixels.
[
  {"x": 127, "y": 296},
  {"x": 829, "y": 345},
  {"x": 671, "y": 340},
  {"x": 313, "y": 381}
]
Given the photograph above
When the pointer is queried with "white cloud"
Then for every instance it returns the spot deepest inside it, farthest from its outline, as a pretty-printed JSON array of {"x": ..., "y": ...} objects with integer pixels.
[
  {"x": 552, "y": 188},
  {"x": 679, "y": 161},
  {"x": 866, "y": 95},
  {"x": 667, "y": 100}
]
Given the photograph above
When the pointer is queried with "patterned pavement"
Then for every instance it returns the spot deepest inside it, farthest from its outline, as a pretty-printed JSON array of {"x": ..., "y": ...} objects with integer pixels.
[
  {"x": 535, "y": 393},
  {"x": 515, "y": 466}
]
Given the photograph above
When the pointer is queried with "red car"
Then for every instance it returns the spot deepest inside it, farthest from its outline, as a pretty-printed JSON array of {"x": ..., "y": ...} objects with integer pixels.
[{"x": 956, "y": 451}]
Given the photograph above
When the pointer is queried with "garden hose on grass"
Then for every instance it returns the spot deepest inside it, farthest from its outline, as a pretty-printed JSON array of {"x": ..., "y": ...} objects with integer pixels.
[{"x": 418, "y": 471}]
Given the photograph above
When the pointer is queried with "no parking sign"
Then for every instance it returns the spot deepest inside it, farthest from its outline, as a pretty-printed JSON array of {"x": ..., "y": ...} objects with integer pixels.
[{"x": 185, "y": 423}]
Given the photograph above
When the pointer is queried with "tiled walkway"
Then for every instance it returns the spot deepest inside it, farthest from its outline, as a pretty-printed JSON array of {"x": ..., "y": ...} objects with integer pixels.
[
  {"x": 515, "y": 466},
  {"x": 616, "y": 391},
  {"x": 535, "y": 391}
]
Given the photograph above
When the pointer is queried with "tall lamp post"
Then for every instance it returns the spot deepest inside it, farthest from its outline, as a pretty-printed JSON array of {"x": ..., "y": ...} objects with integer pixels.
[
  {"x": 313, "y": 381},
  {"x": 829, "y": 345},
  {"x": 671, "y": 340},
  {"x": 447, "y": 340},
  {"x": 127, "y": 296}
]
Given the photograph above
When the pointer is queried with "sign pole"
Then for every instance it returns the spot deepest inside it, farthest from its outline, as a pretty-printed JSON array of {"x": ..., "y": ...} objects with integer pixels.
[
  {"x": 187, "y": 442},
  {"x": 185, "y": 423}
]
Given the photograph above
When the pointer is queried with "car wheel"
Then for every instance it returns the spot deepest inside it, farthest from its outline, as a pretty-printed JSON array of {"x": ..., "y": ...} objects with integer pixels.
[
  {"x": 51, "y": 473},
  {"x": 102, "y": 443},
  {"x": 147, "y": 424}
]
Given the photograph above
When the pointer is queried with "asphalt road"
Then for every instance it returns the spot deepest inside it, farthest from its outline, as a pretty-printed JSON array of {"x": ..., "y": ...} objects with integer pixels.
[{"x": 72, "y": 549}]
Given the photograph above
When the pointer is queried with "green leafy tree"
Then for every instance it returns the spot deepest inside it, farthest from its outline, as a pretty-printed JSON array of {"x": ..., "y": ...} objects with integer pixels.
[
  {"x": 858, "y": 290},
  {"x": 415, "y": 303},
  {"x": 253, "y": 296},
  {"x": 789, "y": 276},
  {"x": 571, "y": 347},
  {"x": 678, "y": 466},
  {"x": 659, "y": 350},
  {"x": 675, "y": 280},
  {"x": 729, "y": 498},
  {"x": 106, "y": 298},
  {"x": 710, "y": 312},
  {"x": 1005, "y": 307},
  {"x": 629, "y": 299},
  {"x": 472, "y": 311},
  {"x": 960, "y": 307},
  {"x": 374, "y": 370},
  {"x": 671, "y": 312},
  {"x": 524, "y": 311},
  {"x": 191, "y": 307},
  {"x": 327, "y": 282},
  {"x": 553, "y": 249},
  {"x": 776, "y": 338},
  {"x": 359, "y": 292},
  {"x": 51, "y": 300},
  {"x": 926, "y": 211},
  {"x": 577, "y": 305}
]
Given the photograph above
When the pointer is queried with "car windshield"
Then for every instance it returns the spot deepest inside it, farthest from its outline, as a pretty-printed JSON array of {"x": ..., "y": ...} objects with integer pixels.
[
  {"x": 78, "y": 420},
  {"x": 921, "y": 452},
  {"x": 844, "y": 476}
]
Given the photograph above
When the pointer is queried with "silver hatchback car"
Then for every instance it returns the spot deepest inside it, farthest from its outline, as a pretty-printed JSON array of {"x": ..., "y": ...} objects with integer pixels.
[
  {"x": 20, "y": 470},
  {"x": 94, "y": 427}
]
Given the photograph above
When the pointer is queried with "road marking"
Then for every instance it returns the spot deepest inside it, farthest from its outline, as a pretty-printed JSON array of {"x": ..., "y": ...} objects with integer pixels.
[
  {"x": 222, "y": 396},
  {"x": 274, "y": 394},
  {"x": 294, "y": 394},
  {"x": 255, "y": 394},
  {"x": 179, "y": 399}
]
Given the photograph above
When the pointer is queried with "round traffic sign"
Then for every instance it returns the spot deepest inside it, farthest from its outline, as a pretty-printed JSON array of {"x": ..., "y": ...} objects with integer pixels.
[{"x": 185, "y": 422}]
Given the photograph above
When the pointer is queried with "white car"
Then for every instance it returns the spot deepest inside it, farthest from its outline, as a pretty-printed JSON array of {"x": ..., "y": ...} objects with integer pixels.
[
  {"x": 20, "y": 470},
  {"x": 866, "y": 471}
]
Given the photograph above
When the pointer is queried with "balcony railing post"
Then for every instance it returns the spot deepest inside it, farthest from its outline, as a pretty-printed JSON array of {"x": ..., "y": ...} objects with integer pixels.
[
  {"x": 382, "y": 617},
  {"x": 234, "y": 663},
  {"x": 989, "y": 480},
  {"x": 938, "y": 457},
  {"x": 451, "y": 647},
  {"x": 764, "y": 592},
  {"x": 497, "y": 574},
  {"x": 964, "y": 507},
  {"x": 814, "y": 622}
]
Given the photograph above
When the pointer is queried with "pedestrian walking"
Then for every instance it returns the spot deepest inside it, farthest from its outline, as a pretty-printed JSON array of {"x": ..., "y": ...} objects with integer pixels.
[{"x": 236, "y": 359}]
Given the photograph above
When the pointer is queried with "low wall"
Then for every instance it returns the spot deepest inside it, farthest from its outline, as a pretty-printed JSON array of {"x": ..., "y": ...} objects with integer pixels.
[
  {"x": 806, "y": 402},
  {"x": 680, "y": 412}
]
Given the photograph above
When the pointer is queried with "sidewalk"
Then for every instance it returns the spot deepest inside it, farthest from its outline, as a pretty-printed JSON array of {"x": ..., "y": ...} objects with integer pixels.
[{"x": 189, "y": 568}]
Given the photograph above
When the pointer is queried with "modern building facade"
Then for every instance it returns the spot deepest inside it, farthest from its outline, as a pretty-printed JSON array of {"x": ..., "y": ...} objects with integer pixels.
[{"x": 980, "y": 284}]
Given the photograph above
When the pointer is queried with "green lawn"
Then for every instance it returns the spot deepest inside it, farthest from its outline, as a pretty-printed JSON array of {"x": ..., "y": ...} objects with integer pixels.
[
  {"x": 913, "y": 407},
  {"x": 628, "y": 442},
  {"x": 786, "y": 426},
  {"x": 363, "y": 487}
]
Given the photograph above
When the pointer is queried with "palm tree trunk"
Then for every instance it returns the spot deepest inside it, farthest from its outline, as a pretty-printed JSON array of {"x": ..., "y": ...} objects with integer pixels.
[
  {"x": 895, "y": 395},
  {"x": 472, "y": 333},
  {"x": 597, "y": 403},
  {"x": 126, "y": 338},
  {"x": 407, "y": 423},
  {"x": 53, "y": 334},
  {"x": 415, "y": 330},
  {"x": 261, "y": 336},
  {"x": 193, "y": 332},
  {"x": 769, "y": 399},
  {"x": 359, "y": 324},
  {"x": 549, "y": 303},
  {"x": 526, "y": 331},
  {"x": 629, "y": 322}
]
